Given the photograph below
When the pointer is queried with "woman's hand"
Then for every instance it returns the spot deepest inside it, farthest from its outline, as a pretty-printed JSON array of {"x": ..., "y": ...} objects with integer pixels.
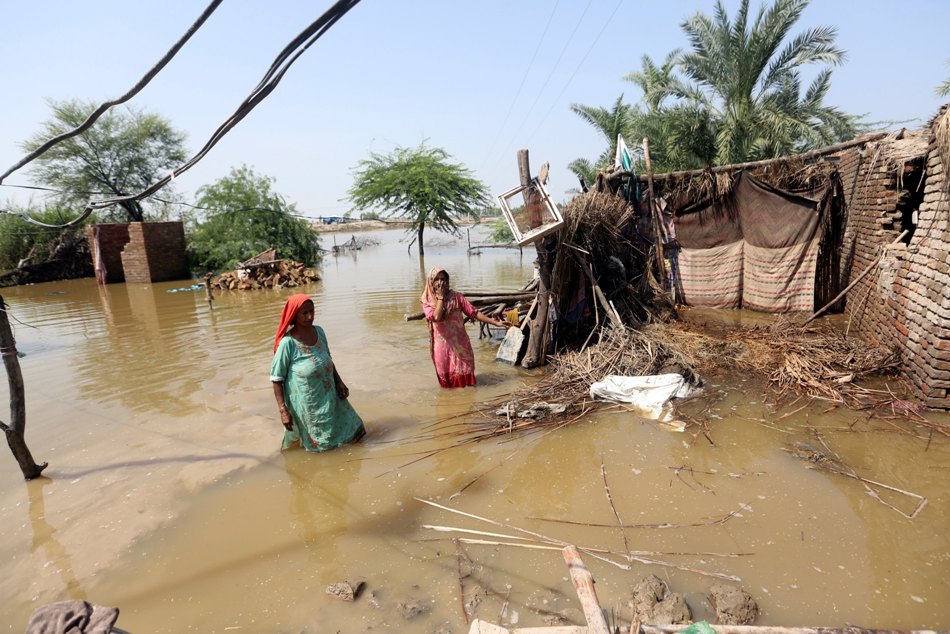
[{"x": 285, "y": 419}]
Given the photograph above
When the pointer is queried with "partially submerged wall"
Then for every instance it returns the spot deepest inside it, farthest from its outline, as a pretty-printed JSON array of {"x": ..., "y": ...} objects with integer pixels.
[
  {"x": 140, "y": 252},
  {"x": 893, "y": 185}
]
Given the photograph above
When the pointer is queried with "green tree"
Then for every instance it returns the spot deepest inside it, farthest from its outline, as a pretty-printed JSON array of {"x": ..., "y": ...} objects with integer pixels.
[
  {"x": 122, "y": 153},
  {"x": 500, "y": 232},
  {"x": 243, "y": 216},
  {"x": 746, "y": 76},
  {"x": 23, "y": 242},
  {"x": 419, "y": 184},
  {"x": 609, "y": 123},
  {"x": 682, "y": 136}
]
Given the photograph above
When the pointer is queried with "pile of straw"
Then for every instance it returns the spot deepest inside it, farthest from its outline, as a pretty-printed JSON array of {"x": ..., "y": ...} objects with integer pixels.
[{"x": 816, "y": 363}]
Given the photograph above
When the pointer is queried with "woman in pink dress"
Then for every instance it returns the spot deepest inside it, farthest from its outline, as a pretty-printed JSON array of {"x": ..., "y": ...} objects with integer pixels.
[{"x": 449, "y": 344}]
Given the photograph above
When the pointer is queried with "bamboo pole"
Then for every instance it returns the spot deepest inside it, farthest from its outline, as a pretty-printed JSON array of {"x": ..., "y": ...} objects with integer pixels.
[
  {"x": 860, "y": 277},
  {"x": 584, "y": 585},
  {"x": 831, "y": 149},
  {"x": 654, "y": 216}
]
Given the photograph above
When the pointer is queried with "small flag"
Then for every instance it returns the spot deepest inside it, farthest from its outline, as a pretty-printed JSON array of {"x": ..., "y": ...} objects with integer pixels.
[{"x": 622, "y": 157}]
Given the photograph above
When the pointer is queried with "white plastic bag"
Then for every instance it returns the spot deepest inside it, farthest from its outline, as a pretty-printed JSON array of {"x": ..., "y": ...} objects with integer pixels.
[{"x": 648, "y": 393}]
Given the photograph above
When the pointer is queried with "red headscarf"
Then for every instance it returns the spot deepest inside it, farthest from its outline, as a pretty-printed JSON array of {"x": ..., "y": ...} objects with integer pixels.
[{"x": 293, "y": 305}]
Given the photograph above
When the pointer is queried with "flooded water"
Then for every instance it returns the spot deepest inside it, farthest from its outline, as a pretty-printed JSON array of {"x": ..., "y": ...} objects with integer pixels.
[{"x": 167, "y": 497}]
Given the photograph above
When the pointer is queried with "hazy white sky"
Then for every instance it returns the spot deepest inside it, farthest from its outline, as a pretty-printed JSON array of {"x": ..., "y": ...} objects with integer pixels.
[{"x": 480, "y": 79}]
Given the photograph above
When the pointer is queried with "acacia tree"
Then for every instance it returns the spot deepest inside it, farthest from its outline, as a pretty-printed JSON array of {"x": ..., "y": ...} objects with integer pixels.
[
  {"x": 243, "y": 216},
  {"x": 419, "y": 184},
  {"x": 124, "y": 152}
]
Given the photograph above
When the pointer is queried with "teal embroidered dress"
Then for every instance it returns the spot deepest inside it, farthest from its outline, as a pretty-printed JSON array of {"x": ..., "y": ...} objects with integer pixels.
[{"x": 321, "y": 419}]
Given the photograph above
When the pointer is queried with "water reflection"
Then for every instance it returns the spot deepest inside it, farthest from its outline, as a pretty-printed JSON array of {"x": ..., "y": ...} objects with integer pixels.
[
  {"x": 141, "y": 391},
  {"x": 44, "y": 537},
  {"x": 319, "y": 501},
  {"x": 138, "y": 361}
]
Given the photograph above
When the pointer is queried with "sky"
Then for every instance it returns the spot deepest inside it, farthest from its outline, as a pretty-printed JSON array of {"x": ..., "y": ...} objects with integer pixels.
[{"x": 479, "y": 79}]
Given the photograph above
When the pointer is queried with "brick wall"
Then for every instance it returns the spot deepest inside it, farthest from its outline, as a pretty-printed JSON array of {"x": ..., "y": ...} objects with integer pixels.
[
  {"x": 143, "y": 252},
  {"x": 891, "y": 185},
  {"x": 165, "y": 246},
  {"x": 112, "y": 239}
]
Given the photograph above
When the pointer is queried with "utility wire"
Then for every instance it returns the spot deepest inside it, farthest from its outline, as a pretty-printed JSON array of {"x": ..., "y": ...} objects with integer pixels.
[
  {"x": 571, "y": 78},
  {"x": 161, "y": 200},
  {"x": 550, "y": 74},
  {"x": 131, "y": 93},
  {"x": 285, "y": 59},
  {"x": 521, "y": 85}
]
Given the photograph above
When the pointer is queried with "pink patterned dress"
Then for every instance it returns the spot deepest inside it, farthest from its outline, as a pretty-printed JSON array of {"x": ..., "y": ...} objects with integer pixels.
[{"x": 449, "y": 343}]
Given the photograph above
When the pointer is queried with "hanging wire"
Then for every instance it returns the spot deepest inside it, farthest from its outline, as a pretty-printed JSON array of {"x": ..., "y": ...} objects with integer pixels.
[
  {"x": 547, "y": 80},
  {"x": 85, "y": 125},
  {"x": 554, "y": 102},
  {"x": 527, "y": 72},
  {"x": 285, "y": 59}
]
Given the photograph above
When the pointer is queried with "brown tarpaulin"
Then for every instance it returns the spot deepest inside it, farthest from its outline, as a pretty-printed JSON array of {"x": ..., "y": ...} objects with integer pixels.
[{"x": 756, "y": 248}]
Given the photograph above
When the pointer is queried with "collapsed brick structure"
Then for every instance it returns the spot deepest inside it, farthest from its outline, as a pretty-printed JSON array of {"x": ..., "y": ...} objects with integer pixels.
[
  {"x": 139, "y": 252},
  {"x": 900, "y": 183},
  {"x": 887, "y": 233}
]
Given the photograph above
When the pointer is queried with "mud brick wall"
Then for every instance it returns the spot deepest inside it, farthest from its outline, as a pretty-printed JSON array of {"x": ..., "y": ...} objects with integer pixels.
[
  {"x": 142, "y": 252},
  {"x": 905, "y": 299},
  {"x": 155, "y": 252},
  {"x": 112, "y": 239}
]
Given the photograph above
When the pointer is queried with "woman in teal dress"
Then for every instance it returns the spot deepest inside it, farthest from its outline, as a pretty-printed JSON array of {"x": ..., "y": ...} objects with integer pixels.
[{"x": 311, "y": 396}]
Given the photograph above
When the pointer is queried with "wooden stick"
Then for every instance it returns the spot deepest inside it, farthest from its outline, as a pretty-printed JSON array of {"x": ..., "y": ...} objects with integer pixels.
[
  {"x": 854, "y": 283},
  {"x": 643, "y": 560},
  {"x": 654, "y": 216},
  {"x": 623, "y": 533},
  {"x": 584, "y": 585},
  {"x": 478, "y": 302},
  {"x": 484, "y": 627},
  {"x": 599, "y": 294},
  {"x": 458, "y": 568},
  {"x": 831, "y": 149}
]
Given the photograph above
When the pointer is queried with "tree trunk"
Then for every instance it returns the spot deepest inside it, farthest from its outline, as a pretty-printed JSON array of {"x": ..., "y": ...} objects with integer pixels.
[
  {"x": 17, "y": 427},
  {"x": 133, "y": 210},
  {"x": 537, "y": 341},
  {"x": 422, "y": 249}
]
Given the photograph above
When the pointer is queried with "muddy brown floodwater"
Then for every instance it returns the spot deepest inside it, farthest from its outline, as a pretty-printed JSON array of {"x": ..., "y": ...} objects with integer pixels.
[{"x": 167, "y": 497}]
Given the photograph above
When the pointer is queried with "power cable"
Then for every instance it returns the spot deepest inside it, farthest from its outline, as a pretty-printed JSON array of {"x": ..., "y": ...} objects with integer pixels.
[
  {"x": 571, "y": 78},
  {"x": 521, "y": 85},
  {"x": 131, "y": 93},
  {"x": 285, "y": 59},
  {"x": 551, "y": 74},
  {"x": 161, "y": 200}
]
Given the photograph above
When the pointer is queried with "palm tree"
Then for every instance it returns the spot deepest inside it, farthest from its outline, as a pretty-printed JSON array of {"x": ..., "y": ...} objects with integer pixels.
[
  {"x": 943, "y": 89},
  {"x": 748, "y": 81},
  {"x": 610, "y": 123}
]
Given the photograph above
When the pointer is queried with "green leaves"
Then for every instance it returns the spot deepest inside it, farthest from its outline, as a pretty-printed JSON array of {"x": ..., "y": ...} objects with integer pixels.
[
  {"x": 419, "y": 184},
  {"x": 244, "y": 216},
  {"x": 124, "y": 152},
  {"x": 735, "y": 94}
]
